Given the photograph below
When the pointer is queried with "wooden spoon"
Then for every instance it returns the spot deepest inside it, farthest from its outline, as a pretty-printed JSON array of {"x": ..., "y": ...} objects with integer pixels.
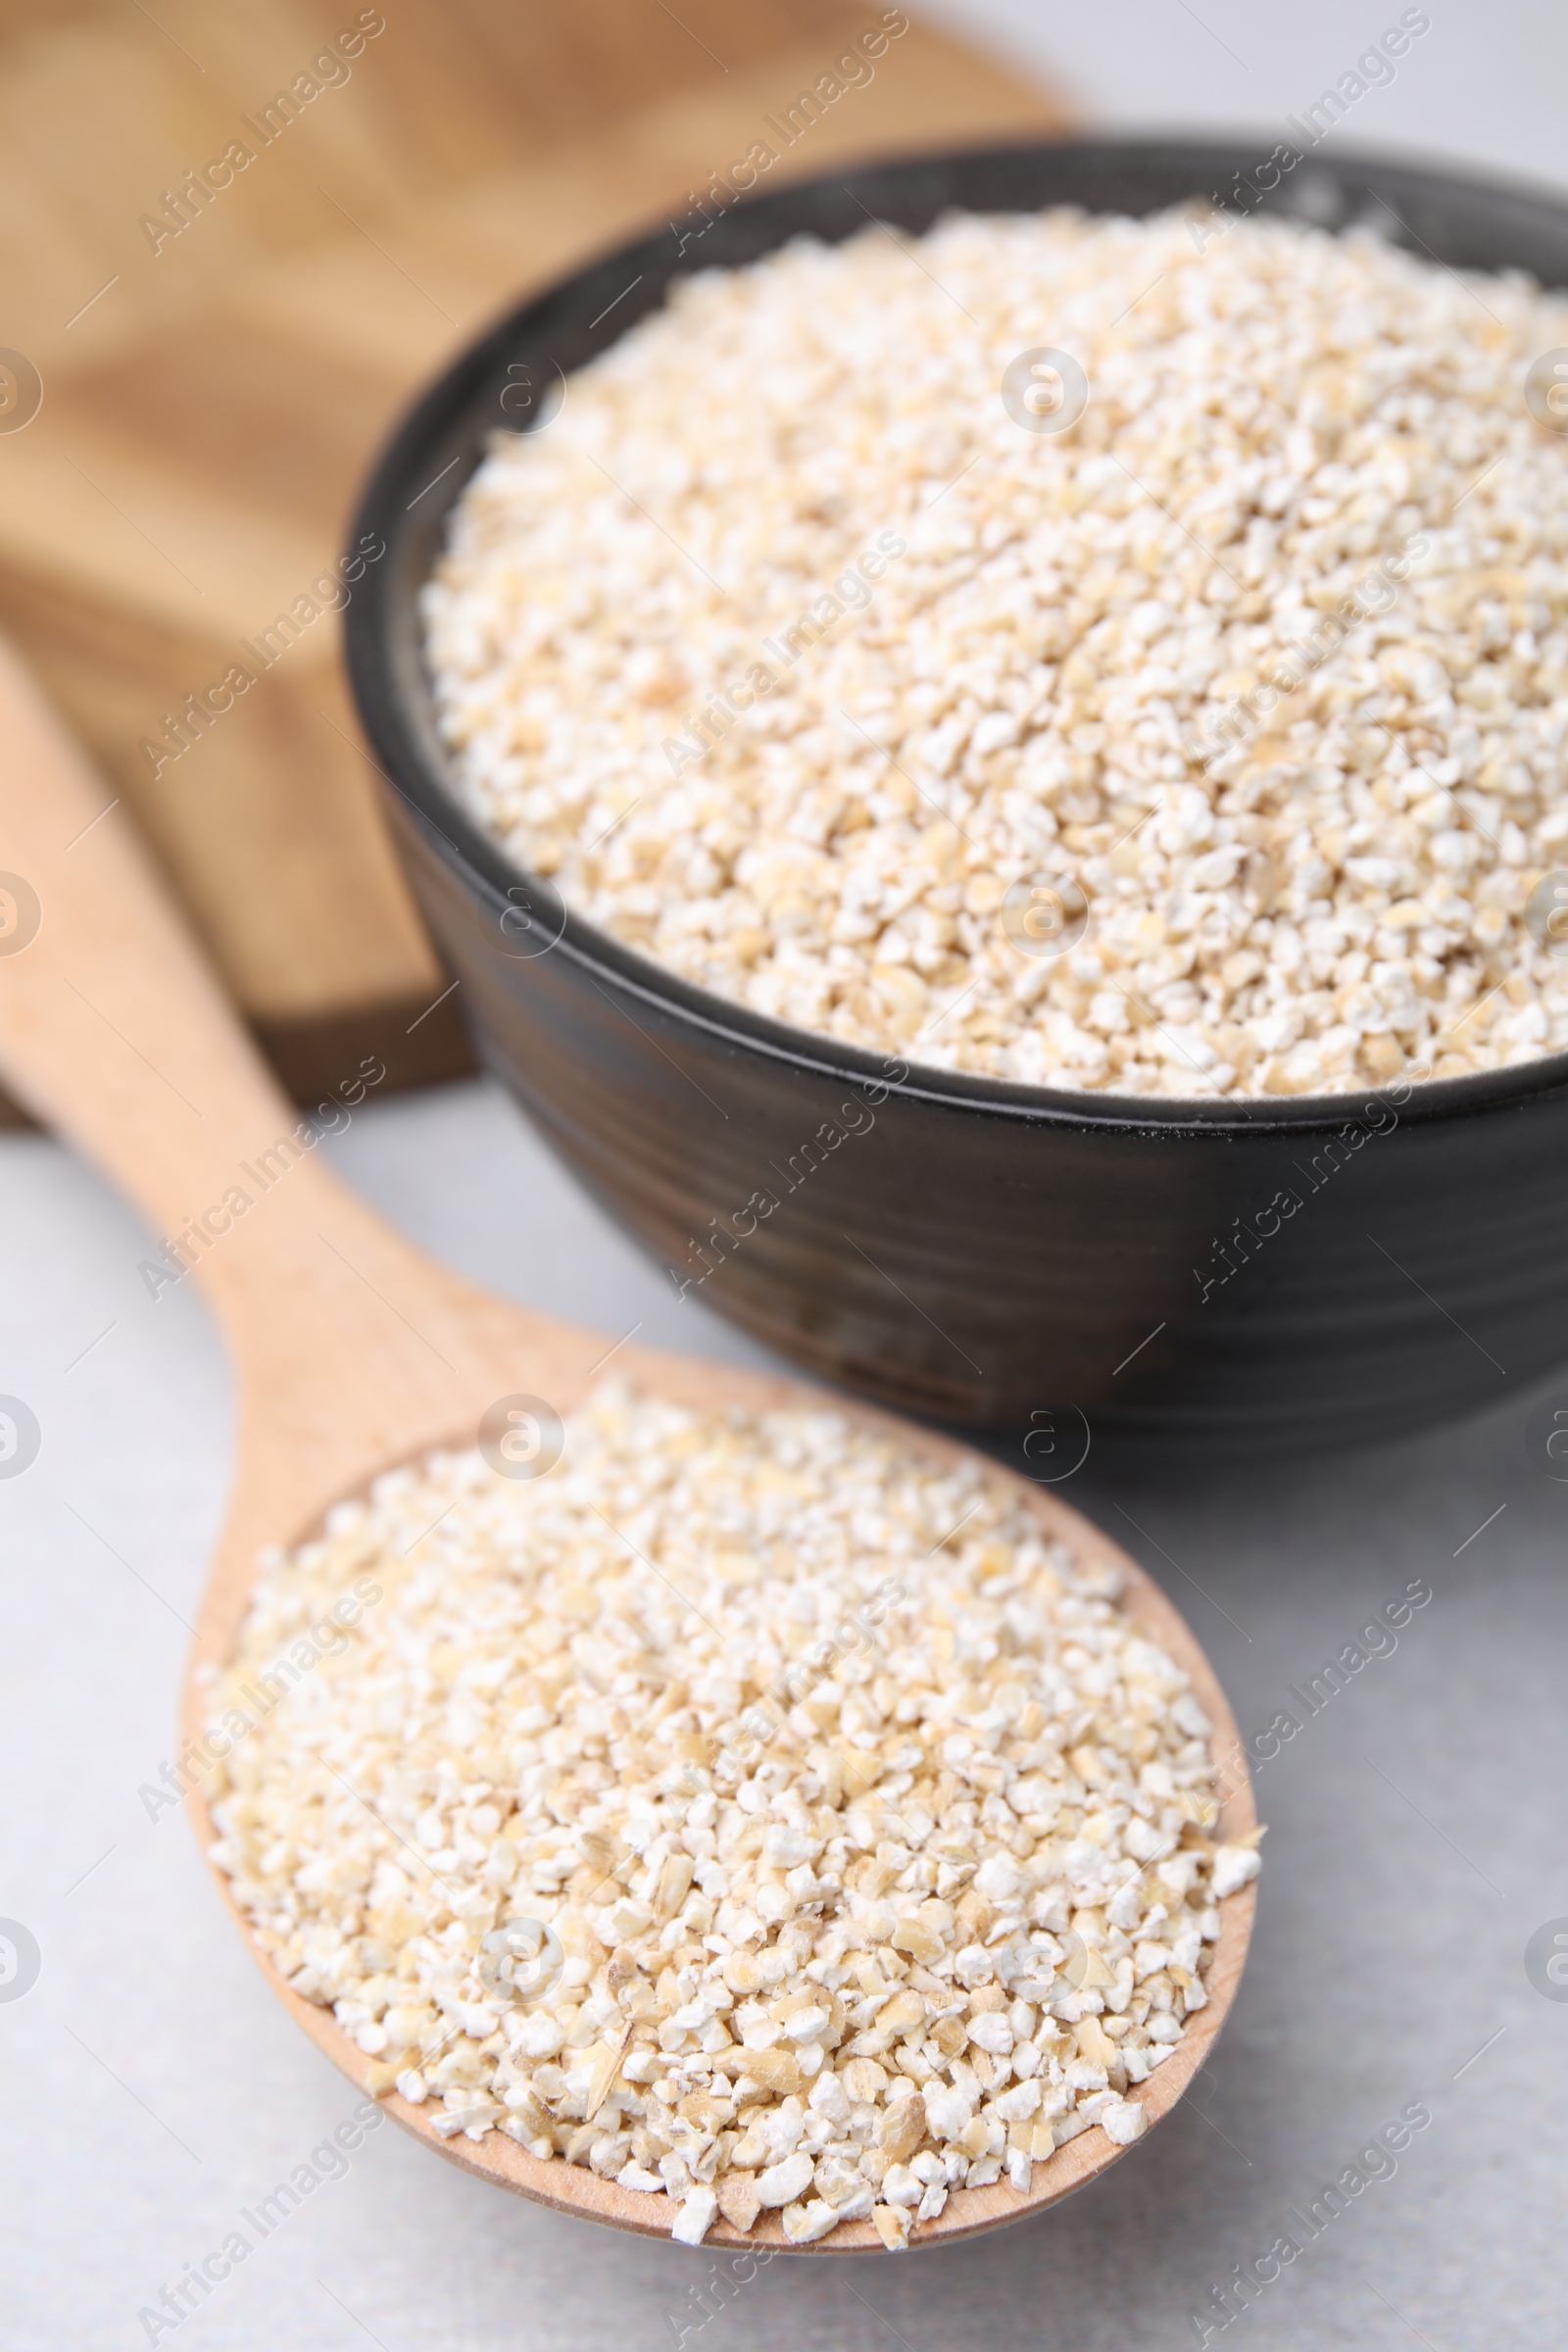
[{"x": 352, "y": 1352}]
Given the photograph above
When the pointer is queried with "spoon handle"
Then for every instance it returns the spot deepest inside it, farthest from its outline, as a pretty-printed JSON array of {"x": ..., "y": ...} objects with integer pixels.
[
  {"x": 115, "y": 1033},
  {"x": 112, "y": 1029}
]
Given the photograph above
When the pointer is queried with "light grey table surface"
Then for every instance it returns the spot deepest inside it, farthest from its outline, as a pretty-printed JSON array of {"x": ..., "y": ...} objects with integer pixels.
[
  {"x": 1418, "y": 1834},
  {"x": 152, "y": 2088}
]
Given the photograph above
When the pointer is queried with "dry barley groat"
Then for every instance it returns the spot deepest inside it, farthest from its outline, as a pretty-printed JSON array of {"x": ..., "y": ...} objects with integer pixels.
[
  {"x": 1267, "y": 655},
  {"x": 750, "y": 1810}
]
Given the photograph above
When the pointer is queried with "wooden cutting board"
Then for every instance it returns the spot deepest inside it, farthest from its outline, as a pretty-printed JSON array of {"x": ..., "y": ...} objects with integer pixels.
[{"x": 232, "y": 243}]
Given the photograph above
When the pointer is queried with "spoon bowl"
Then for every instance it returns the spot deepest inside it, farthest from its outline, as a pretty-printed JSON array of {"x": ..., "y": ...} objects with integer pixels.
[{"x": 353, "y": 1353}]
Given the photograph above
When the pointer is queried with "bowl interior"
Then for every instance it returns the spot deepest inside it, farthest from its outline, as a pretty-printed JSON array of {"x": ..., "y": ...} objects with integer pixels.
[{"x": 507, "y": 380}]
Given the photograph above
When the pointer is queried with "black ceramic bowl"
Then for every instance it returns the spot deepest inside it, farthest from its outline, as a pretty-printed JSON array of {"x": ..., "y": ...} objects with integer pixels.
[{"x": 990, "y": 1254}]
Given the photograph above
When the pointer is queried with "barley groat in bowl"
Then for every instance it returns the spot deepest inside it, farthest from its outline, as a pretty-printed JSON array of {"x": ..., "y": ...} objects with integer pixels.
[
  {"x": 1023, "y": 917},
  {"x": 1209, "y": 634}
]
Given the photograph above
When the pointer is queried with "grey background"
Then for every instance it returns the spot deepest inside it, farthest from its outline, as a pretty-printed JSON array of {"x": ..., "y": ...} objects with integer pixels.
[
  {"x": 1485, "y": 84},
  {"x": 1417, "y": 1825}
]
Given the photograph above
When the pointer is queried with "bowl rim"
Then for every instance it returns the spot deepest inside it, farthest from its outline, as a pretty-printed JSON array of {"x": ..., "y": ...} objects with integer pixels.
[{"x": 443, "y": 414}]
